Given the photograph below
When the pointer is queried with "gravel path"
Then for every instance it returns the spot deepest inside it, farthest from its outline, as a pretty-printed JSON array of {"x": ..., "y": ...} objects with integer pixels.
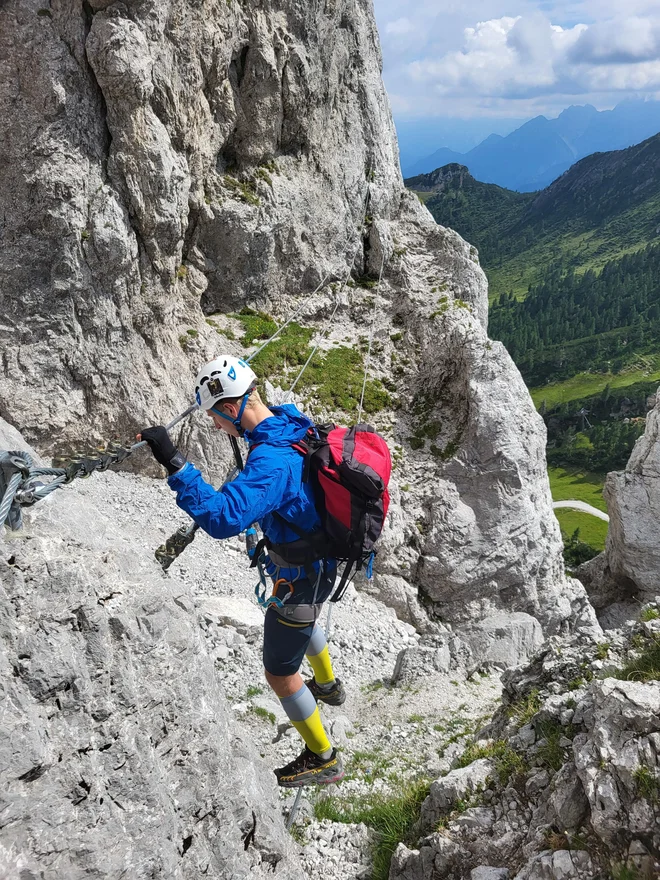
[{"x": 582, "y": 506}]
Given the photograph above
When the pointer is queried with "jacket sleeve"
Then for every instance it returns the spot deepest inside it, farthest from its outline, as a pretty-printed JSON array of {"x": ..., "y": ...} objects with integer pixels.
[{"x": 260, "y": 488}]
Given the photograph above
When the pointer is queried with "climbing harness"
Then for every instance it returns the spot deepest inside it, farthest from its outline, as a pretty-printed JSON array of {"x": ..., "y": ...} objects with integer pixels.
[{"x": 21, "y": 486}]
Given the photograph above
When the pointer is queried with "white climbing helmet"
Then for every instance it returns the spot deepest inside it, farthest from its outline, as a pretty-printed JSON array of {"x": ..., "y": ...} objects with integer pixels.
[{"x": 224, "y": 377}]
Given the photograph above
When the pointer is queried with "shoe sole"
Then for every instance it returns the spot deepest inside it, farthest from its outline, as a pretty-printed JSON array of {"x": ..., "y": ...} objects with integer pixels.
[
  {"x": 333, "y": 701},
  {"x": 312, "y": 781}
]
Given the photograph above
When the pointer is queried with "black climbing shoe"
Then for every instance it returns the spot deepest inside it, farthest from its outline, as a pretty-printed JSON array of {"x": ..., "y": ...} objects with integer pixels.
[
  {"x": 334, "y": 697},
  {"x": 310, "y": 769}
]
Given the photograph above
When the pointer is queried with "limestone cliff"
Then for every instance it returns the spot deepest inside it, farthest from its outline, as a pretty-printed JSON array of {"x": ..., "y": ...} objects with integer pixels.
[
  {"x": 629, "y": 569},
  {"x": 167, "y": 160}
]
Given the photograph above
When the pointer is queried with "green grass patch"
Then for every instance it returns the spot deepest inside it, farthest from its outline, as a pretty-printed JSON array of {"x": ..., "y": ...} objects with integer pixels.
[
  {"x": 283, "y": 354},
  {"x": 524, "y": 709},
  {"x": 591, "y": 531},
  {"x": 647, "y": 783},
  {"x": 508, "y": 762},
  {"x": 260, "y": 712},
  {"x": 392, "y": 818},
  {"x": 646, "y": 665},
  {"x": 649, "y": 614},
  {"x": 588, "y": 384},
  {"x": 254, "y": 691},
  {"x": 336, "y": 379},
  {"x": 256, "y": 325},
  {"x": 551, "y": 753},
  {"x": 567, "y": 485},
  {"x": 576, "y": 486},
  {"x": 423, "y": 196}
]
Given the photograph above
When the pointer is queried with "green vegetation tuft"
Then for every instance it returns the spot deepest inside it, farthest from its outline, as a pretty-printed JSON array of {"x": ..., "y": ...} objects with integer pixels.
[
  {"x": 336, "y": 378},
  {"x": 392, "y": 818},
  {"x": 646, "y": 665},
  {"x": 602, "y": 650},
  {"x": 551, "y": 753},
  {"x": 181, "y": 272},
  {"x": 257, "y": 325},
  {"x": 243, "y": 191},
  {"x": 647, "y": 783},
  {"x": 254, "y": 691},
  {"x": 524, "y": 709},
  {"x": 649, "y": 614},
  {"x": 260, "y": 712},
  {"x": 508, "y": 763},
  {"x": 625, "y": 872}
]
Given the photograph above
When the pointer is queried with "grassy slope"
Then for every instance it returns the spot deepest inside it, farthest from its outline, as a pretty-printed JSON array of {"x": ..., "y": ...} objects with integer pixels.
[
  {"x": 567, "y": 486},
  {"x": 586, "y": 384}
]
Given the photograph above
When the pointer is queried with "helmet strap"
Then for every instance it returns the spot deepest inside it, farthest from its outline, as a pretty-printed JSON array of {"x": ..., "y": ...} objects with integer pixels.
[{"x": 237, "y": 421}]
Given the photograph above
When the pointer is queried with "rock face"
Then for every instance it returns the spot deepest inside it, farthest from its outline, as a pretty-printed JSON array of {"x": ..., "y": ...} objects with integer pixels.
[
  {"x": 117, "y": 748},
  {"x": 565, "y": 786},
  {"x": 159, "y": 156},
  {"x": 164, "y": 161},
  {"x": 630, "y": 565}
]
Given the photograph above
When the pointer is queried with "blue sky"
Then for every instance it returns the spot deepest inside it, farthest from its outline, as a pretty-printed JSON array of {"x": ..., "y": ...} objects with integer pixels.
[{"x": 484, "y": 62}]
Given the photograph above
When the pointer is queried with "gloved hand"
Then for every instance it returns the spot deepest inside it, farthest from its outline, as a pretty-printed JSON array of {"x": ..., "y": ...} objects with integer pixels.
[{"x": 163, "y": 449}]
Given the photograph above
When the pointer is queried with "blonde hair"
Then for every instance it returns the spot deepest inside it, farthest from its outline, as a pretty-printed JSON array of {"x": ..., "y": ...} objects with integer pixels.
[{"x": 253, "y": 400}]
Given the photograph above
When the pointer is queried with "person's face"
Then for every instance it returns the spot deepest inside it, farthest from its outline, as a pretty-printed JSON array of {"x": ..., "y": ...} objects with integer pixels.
[{"x": 222, "y": 424}]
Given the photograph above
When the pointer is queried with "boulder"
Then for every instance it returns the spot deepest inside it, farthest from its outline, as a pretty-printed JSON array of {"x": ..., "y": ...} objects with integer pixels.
[
  {"x": 456, "y": 785},
  {"x": 504, "y": 640},
  {"x": 617, "y": 756},
  {"x": 188, "y": 167}
]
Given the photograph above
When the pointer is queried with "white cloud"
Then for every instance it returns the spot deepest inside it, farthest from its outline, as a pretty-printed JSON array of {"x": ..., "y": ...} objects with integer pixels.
[
  {"x": 625, "y": 41},
  {"x": 520, "y": 57}
]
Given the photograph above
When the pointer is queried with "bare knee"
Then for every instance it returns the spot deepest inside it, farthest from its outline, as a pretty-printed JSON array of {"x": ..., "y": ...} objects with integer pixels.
[{"x": 284, "y": 685}]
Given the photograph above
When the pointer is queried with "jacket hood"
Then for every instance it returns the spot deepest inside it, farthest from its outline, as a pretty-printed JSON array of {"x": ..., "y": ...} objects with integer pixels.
[{"x": 287, "y": 425}]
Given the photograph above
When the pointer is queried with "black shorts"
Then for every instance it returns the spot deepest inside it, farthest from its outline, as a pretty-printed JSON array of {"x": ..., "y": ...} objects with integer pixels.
[{"x": 286, "y": 640}]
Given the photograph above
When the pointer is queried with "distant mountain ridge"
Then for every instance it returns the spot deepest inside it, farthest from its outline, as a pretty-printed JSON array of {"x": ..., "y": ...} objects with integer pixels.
[
  {"x": 574, "y": 270},
  {"x": 606, "y": 205},
  {"x": 541, "y": 150}
]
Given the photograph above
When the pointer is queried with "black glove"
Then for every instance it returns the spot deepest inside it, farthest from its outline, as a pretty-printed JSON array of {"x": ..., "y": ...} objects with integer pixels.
[{"x": 163, "y": 449}]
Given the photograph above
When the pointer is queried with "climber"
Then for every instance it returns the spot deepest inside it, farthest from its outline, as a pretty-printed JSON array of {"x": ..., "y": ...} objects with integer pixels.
[{"x": 269, "y": 491}]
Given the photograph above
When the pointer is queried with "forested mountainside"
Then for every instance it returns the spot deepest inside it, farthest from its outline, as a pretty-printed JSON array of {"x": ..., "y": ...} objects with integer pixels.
[
  {"x": 574, "y": 276},
  {"x": 571, "y": 322},
  {"x": 605, "y": 206}
]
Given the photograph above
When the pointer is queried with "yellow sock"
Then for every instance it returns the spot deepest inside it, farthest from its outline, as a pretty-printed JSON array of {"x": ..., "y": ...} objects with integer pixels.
[
  {"x": 312, "y": 731},
  {"x": 322, "y": 666}
]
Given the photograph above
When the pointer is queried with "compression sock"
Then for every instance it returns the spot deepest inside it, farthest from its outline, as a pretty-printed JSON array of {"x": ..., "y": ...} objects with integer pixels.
[
  {"x": 305, "y": 717},
  {"x": 319, "y": 659}
]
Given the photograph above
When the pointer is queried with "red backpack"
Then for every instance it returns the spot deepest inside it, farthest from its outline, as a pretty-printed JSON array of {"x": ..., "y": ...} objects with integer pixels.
[{"x": 349, "y": 469}]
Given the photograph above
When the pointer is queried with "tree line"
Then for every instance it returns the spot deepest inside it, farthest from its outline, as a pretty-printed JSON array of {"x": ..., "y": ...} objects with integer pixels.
[{"x": 571, "y": 322}]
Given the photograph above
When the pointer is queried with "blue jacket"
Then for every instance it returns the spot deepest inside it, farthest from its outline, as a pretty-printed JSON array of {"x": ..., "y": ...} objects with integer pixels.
[{"x": 271, "y": 481}]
